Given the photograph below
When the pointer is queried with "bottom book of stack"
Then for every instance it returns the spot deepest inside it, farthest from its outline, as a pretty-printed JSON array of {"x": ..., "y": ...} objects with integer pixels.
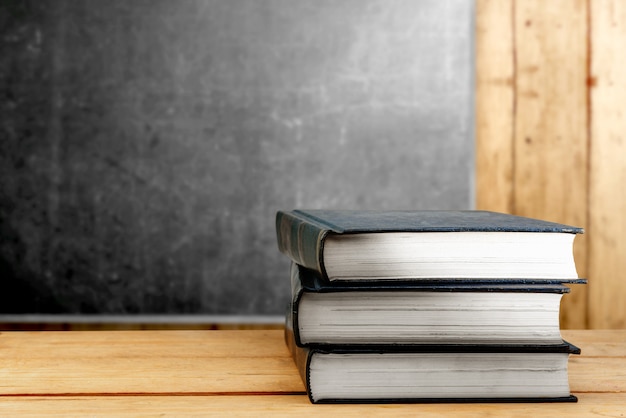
[{"x": 431, "y": 373}]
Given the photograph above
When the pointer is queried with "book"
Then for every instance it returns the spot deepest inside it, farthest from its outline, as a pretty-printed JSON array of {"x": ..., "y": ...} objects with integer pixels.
[
  {"x": 445, "y": 373},
  {"x": 364, "y": 246},
  {"x": 416, "y": 313}
]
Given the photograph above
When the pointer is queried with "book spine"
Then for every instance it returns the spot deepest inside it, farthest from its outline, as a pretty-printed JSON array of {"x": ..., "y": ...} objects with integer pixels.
[
  {"x": 300, "y": 355},
  {"x": 301, "y": 239},
  {"x": 293, "y": 309}
]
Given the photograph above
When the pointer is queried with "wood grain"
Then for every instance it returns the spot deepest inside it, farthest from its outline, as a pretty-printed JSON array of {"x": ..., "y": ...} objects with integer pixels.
[
  {"x": 239, "y": 373},
  {"x": 494, "y": 105},
  {"x": 212, "y": 362},
  {"x": 594, "y": 405},
  {"x": 607, "y": 198},
  {"x": 599, "y": 343},
  {"x": 167, "y": 362},
  {"x": 532, "y": 131},
  {"x": 551, "y": 137}
]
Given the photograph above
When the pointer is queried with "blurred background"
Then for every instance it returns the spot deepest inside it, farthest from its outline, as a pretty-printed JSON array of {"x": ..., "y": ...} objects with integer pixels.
[{"x": 146, "y": 145}]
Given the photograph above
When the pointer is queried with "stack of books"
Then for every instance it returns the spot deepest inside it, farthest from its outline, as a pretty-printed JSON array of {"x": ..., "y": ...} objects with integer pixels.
[{"x": 428, "y": 306}]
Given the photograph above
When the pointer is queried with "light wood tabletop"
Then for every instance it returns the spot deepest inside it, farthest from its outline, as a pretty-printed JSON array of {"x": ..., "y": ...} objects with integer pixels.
[{"x": 240, "y": 373}]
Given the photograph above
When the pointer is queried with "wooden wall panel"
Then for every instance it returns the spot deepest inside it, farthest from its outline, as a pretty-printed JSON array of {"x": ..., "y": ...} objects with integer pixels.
[
  {"x": 544, "y": 128},
  {"x": 558, "y": 152},
  {"x": 551, "y": 131},
  {"x": 607, "y": 199},
  {"x": 494, "y": 105}
]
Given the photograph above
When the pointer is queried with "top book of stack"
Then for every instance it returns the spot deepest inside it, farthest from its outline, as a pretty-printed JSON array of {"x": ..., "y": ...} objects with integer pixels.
[{"x": 374, "y": 246}]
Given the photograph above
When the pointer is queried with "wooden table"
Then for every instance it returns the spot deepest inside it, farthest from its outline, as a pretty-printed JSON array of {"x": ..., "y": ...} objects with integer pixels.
[{"x": 204, "y": 373}]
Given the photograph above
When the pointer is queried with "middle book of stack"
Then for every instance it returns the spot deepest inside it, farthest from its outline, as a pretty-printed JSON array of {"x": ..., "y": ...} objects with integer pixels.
[{"x": 428, "y": 306}]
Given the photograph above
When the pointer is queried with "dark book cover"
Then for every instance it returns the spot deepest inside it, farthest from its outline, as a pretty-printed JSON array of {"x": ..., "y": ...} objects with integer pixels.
[
  {"x": 301, "y": 233},
  {"x": 302, "y": 357},
  {"x": 304, "y": 281}
]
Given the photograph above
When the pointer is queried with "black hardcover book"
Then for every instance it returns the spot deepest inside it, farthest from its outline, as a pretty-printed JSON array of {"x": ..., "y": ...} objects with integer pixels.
[
  {"x": 418, "y": 313},
  {"x": 427, "y": 374},
  {"x": 424, "y": 245}
]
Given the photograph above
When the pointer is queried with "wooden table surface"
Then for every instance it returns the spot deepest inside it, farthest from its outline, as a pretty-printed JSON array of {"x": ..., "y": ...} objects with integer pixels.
[{"x": 240, "y": 373}]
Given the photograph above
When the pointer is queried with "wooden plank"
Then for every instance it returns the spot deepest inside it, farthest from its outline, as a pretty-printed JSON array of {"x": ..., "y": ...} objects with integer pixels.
[
  {"x": 290, "y": 406},
  {"x": 599, "y": 343},
  {"x": 607, "y": 201},
  {"x": 597, "y": 374},
  {"x": 139, "y": 362},
  {"x": 551, "y": 132},
  {"x": 212, "y": 362},
  {"x": 494, "y": 105}
]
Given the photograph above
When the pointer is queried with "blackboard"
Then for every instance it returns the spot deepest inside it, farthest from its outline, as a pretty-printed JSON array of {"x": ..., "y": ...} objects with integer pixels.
[{"x": 146, "y": 145}]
